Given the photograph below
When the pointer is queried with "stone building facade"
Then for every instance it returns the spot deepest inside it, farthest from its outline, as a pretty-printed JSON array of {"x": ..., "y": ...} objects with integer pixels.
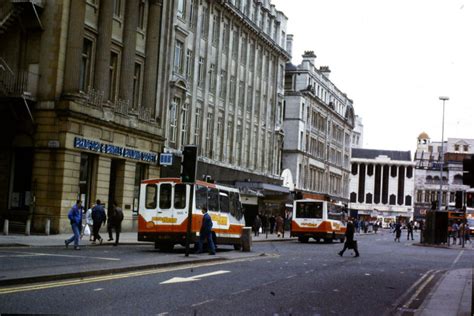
[
  {"x": 428, "y": 178},
  {"x": 382, "y": 184},
  {"x": 318, "y": 124},
  {"x": 224, "y": 65},
  {"x": 79, "y": 108}
]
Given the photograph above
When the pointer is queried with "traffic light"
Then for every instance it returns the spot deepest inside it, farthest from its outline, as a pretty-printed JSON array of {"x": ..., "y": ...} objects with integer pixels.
[
  {"x": 459, "y": 199},
  {"x": 189, "y": 164},
  {"x": 468, "y": 172}
]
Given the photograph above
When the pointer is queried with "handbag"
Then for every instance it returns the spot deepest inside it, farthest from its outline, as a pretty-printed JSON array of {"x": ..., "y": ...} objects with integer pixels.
[{"x": 352, "y": 244}]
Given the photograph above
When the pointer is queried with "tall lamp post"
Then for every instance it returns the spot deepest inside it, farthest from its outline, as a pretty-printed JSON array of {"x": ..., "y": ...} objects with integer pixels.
[{"x": 441, "y": 158}]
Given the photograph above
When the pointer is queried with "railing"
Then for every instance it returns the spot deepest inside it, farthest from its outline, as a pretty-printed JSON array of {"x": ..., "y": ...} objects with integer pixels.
[{"x": 12, "y": 84}]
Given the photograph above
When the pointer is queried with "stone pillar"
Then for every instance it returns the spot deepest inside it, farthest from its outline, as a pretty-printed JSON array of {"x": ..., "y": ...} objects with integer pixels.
[
  {"x": 104, "y": 40},
  {"x": 75, "y": 39},
  {"x": 103, "y": 180},
  {"x": 129, "y": 51},
  {"x": 152, "y": 55}
]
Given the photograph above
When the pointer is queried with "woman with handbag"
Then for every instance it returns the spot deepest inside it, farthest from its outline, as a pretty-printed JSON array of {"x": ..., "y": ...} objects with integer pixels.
[{"x": 350, "y": 243}]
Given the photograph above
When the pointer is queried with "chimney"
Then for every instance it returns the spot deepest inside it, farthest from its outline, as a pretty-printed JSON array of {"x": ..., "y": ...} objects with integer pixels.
[
  {"x": 325, "y": 71},
  {"x": 310, "y": 56},
  {"x": 289, "y": 44}
]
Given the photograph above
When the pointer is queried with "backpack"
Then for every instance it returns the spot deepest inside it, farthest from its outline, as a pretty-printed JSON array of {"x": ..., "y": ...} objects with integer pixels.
[{"x": 118, "y": 214}]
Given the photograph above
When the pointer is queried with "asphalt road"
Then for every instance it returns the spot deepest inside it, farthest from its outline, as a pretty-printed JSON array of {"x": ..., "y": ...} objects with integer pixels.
[{"x": 291, "y": 279}]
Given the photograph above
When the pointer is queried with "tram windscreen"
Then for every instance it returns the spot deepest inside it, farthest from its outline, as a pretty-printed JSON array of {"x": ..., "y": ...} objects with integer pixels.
[
  {"x": 336, "y": 212},
  {"x": 309, "y": 209}
]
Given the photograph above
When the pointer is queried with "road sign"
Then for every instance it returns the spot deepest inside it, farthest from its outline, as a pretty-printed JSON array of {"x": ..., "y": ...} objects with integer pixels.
[{"x": 166, "y": 159}]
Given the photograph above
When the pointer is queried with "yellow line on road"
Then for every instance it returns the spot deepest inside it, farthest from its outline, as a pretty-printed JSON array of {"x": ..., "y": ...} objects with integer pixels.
[{"x": 49, "y": 285}]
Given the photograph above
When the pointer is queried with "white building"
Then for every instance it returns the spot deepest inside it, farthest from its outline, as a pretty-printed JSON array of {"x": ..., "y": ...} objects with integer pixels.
[
  {"x": 428, "y": 178},
  {"x": 358, "y": 133},
  {"x": 382, "y": 183},
  {"x": 318, "y": 123}
]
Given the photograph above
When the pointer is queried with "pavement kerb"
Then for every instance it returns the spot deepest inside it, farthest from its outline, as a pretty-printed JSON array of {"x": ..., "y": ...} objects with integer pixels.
[
  {"x": 442, "y": 246},
  {"x": 85, "y": 274}
]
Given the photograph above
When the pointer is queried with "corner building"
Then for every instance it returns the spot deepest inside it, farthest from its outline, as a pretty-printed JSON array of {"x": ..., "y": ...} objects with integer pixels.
[
  {"x": 225, "y": 63},
  {"x": 78, "y": 87},
  {"x": 318, "y": 125}
]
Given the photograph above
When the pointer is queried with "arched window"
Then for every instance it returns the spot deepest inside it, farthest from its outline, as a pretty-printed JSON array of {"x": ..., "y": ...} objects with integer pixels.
[
  {"x": 353, "y": 197},
  {"x": 409, "y": 172},
  {"x": 457, "y": 179},
  {"x": 370, "y": 170},
  {"x": 408, "y": 200},
  {"x": 354, "y": 168},
  {"x": 393, "y": 171},
  {"x": 368, "y": 198},
  {"x": 429, "y": 179},
  {"x": 393, "y": 199}
]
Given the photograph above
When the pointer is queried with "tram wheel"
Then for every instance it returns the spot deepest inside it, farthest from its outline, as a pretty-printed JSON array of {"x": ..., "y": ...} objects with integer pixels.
[
  {"x": 237, "y": 247},
  {"x": 303, "y": 239},
  {"x": 165, "y": 246}
]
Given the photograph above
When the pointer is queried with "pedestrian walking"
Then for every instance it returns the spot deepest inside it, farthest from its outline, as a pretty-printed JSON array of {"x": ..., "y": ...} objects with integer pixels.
[
  {"x": 206, "y": 233},
  {"x": 350, "y": 243},
  {"x": 88, "y": 223},
  {"x": 110, "y": 224},
  {"x": 467, "y": 233},
  {"x": 116, "y": 221},
  {"x": 272, "y": 221},
  {"x": 75, "y": 218},
  {"x": 257, "y": 224},
  {"x": 264, "y": 223},
  {"x": 410, "y": 230},
  {"x": 279, "y": 225},
  {"x": 398, "y": 231},
  {"x": 98, "y": 218},
  {"x": 454, "y": 231}
]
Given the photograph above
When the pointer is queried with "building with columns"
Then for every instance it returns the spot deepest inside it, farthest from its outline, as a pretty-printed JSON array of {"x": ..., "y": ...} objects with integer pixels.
[
  {"x": 318, "y": 124},
  {"x": 428, "y": 177},
  {"x": 80, "y": 118},
  {"x": 224, "y": 66},
  {"x": 382, "y": 184}
]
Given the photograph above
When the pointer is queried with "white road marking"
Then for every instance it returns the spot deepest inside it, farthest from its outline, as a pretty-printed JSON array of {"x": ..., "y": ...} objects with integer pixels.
[
  {"x": 202, "y": 303},
  {"x": 457, "y": 258},
  {"x": 291, "y": 276},
  {"x": 39, "y": 254},
  {"x": 99, "y": 289},
  {"x": 367, "y": 274},
  {"x": 240, "y": 292},
  {"x": 193, "y": 278},
  {"x": 162, "y": 314}
]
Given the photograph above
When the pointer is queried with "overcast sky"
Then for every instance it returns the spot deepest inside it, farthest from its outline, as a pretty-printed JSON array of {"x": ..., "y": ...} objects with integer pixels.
[{"x": 393, "y": 58}]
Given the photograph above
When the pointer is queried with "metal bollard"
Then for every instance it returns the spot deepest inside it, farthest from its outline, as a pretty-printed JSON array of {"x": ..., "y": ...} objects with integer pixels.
[
  {"x": 28, "y": 227},
  {"x": 5, "y": 227},
  {"x": 246, "y": 239},
  {"x": 47, "y": 226}
]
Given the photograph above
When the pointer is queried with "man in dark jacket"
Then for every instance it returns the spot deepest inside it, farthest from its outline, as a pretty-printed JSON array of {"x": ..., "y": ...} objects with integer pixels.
[
  {"x": 116, "y": 221},
  {"x": 98, "y": 217},
  {"x": 350, "y": 243},
  {"x": 75, "y": 218},
  {"x": 206, "y": 233}
]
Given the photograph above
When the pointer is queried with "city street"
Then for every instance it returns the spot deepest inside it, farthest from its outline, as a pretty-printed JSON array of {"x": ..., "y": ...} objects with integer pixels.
[{"x": 277, "y": 278}]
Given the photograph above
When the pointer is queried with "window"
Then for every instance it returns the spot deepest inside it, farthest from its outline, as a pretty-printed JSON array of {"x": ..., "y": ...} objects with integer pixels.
[
  {"x": 181, "y": 12},
  {"x": 212, "y": 79},
  {"x": 178, "y": 57},
  {"x": 184, "y": 125},
  {"x": 224, "y": 202},
  {"x": 201, "y": 196},
  {"x": 137, "y": 85},
  {"x": 189, "y": 65},
  {"x": 150, "y": 196},
  {"x": 209, "y": 132},
  {"x": 213, "y": 200},
  {"x": 223, "y": 91},
  {"x": 141, "y": 15},
  {"x": 235, "y": 206},
  {"x": 173, "y": 119},
  {"x": 204, "y": 23},
  {"x": 197, "y": 126},
  {"x": 180, "y": 196},
  {"x": 113, "y": 75},
  {"x": 86, "y": 64},
  {"x": 201, "y": 72},
  {"x": 335, "y": 212},
  {"x": 165, "y": 196},
  {"x": 309, "y": 210},
  {"x": 192, "y": 14},
  {"x": 215, "y": 28},
  {"x": 117, "y": 8},
  {"x": 140, "y": 175}
]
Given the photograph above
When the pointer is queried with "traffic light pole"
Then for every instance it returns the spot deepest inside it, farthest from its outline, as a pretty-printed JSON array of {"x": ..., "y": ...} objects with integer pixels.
[{"x": 190, "y": 220}]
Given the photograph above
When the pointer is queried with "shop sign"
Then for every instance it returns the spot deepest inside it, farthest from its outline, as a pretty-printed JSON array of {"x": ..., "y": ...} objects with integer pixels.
[{"x": 114, "y": 150}]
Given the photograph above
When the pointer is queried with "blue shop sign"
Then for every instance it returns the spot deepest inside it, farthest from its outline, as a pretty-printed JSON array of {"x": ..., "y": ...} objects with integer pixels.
[{"x": 110, "y": 149}]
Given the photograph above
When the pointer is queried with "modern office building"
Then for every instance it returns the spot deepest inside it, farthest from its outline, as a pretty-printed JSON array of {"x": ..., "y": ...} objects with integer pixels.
[
  {"x": 430, "y": 179},
  {"x": 79, "y": 117},
  {"x": 224, "y": 65},
  {"x": 318, "y": 124},
  {"x": 382, "y": 184}
]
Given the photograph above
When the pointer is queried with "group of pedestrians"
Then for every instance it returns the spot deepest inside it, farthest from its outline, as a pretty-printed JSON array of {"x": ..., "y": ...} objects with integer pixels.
[
  {"x": 94, "y": 217},
  {"x": 461, "y": 232},
  {"x": 268, "y": 224}
]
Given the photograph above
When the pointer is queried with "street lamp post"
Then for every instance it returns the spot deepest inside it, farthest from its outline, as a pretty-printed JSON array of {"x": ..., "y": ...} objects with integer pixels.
[{"x": 441, "y": 158}]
